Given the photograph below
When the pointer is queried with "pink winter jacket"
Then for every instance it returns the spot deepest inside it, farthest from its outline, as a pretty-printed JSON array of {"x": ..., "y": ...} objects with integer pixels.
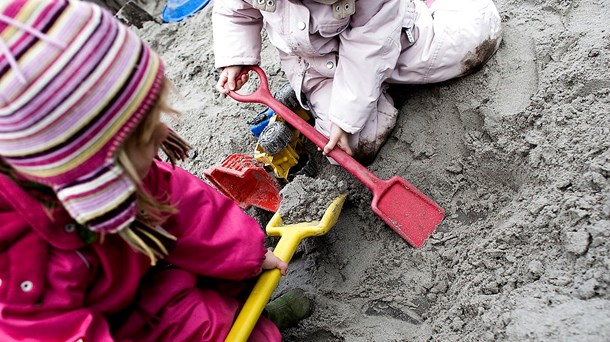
[
  {"x": 55, "y": 287},
  {"x": 385, "y": 41}
]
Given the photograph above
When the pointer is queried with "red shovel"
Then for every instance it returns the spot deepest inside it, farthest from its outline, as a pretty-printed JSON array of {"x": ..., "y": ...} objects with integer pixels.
[{"x": 397, "y": 202}]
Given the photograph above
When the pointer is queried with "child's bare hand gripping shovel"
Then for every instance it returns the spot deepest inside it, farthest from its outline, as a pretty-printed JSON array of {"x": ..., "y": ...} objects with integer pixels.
[{"x": 397, "y": 202}]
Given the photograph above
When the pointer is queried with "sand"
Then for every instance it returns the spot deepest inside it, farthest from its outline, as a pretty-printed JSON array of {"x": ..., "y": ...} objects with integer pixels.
[
  {"x": 518, "y": 156},
  {"x": 305, "y": 199}
]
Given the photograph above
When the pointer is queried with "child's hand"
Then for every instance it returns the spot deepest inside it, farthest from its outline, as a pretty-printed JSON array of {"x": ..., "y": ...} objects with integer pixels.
[
  {"x": 272, "y": 261},
  {"x": 338, "y": 137},
  {"x": 228, "y": 76}
]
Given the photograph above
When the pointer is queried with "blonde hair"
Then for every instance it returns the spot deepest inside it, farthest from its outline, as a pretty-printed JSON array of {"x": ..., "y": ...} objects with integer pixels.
[
  {"x": 156, "y": 210},
  {"x": 146, "y": 234}
]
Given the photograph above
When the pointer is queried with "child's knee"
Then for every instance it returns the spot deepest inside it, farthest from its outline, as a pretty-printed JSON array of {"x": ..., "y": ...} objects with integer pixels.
[
  {"x": 368, "y": 142},
  {"x": 466, "y": 36},
  {"x": 475, "y": 59}
]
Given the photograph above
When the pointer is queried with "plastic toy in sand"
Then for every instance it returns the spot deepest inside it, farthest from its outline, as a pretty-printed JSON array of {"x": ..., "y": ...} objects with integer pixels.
[{"x": 178, "y": 10}]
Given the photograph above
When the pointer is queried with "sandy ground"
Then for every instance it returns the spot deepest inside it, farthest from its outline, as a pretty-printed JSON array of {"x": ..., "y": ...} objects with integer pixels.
[{"x": 518, "y": 156}]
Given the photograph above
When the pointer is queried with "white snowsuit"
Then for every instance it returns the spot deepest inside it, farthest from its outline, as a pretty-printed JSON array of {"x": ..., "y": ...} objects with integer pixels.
[{"x": 342, "y": 66}]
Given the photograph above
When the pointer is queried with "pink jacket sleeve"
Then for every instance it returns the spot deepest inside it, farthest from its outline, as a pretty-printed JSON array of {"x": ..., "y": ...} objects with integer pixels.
[
  {"x": 215, "y": 237},
  {"x": 237, "y": 33}
]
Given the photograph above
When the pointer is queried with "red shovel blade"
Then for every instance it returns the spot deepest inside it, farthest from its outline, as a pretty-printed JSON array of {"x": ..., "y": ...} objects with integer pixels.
[{"x": 406, "y": 210}]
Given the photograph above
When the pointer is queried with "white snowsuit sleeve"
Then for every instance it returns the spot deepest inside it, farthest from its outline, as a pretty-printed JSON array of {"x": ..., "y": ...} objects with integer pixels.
[{"x": 237, "y": 33}]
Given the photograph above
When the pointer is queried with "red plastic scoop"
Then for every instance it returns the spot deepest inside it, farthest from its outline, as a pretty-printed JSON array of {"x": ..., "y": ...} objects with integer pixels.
[
  {"x": 397, "y": 202},
  {"x": 245, "y": 181}
]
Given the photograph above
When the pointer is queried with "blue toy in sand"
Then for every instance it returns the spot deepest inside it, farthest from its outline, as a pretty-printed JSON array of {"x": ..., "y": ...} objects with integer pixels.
[
  {"x": 260, "y": 121},
  {"x": 178, "y": 10}
]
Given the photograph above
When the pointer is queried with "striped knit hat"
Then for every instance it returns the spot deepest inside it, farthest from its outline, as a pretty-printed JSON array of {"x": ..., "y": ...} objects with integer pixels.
[{"x": 74, "y": 83}]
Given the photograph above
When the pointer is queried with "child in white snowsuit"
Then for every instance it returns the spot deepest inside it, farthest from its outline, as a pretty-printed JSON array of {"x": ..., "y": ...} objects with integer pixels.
[{"x": 340, "y": 55}]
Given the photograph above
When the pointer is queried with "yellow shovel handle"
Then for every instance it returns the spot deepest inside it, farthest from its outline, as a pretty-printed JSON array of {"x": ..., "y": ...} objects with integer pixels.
[{"x": 262, "y": 291}]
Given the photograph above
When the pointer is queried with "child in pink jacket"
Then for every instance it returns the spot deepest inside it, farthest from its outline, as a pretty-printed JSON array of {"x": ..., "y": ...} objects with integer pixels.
[
  {"x": 86, "y": 210},
  {"x": 340, "y": 55}
]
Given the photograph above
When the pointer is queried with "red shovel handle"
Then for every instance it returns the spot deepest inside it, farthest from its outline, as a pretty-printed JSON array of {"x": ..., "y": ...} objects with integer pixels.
[{"x": 263, "y": 95}]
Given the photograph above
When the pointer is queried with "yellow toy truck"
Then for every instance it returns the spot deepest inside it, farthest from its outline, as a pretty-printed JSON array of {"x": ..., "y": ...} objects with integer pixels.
[{"x": 281, "y": 147}]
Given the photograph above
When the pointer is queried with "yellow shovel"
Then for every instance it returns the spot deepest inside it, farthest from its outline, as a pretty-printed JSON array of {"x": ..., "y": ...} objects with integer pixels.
[{"x": 291, "y": 236}]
